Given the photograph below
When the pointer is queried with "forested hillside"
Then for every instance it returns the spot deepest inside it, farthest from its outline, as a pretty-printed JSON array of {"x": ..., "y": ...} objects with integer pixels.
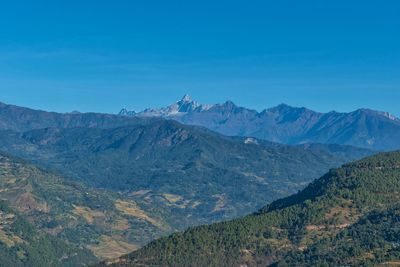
[
  {"x": 201, "y": 175},
  {"x": 350, "y": 216},
  {"x": 22, "y": 244},
  {"x": 106, "y": 224}
]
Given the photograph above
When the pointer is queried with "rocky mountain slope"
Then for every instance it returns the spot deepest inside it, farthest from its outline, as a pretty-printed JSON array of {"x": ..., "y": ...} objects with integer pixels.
[{"x": 348, "y": 217}]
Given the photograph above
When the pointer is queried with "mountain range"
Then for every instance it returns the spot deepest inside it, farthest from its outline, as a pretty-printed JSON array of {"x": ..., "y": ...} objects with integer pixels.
[
  {"x": 285, "y": 124},
  {"x": 103, "y": 185},
  {"x": 348, "y": 217},
  {"x": 116, "y": 183}
]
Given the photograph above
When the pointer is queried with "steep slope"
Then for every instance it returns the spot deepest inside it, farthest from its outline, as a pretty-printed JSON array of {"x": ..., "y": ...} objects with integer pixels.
[
  {"x": 21, "y": 244},
  {"x": 200, "y": 175},
  {"x": 348, "y": 217},
  {"x": 373, "y": 239},
  {"x": 106, "y": 223},
  {"x": 284, "y": 124},
  {"x": 22, "y": 119}
]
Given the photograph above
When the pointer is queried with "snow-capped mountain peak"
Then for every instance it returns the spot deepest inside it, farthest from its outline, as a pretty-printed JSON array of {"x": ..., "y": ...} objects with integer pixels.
[
  {"x": 186, "y": 98},
  {"x": 179, "y": 108}
]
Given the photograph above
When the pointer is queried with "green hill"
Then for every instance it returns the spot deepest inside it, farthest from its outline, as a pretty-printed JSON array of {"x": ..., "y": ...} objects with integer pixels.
[
  {"x": 373, "y": 239},
  {"x": 103, "y": 222},
  {"x": 349, "y": 217},
  {"x": 22, "y": 244},
  {"x": 197, "y": 175}
]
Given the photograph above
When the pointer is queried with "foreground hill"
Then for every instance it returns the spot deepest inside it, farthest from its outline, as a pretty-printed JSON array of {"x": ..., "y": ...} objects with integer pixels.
[
  {"x": 22, "y": 244},
  {"x": 285, "y": 124},
  {"x": 197, "y": 175},
  {"x": 105, "y": 223},
  {"x": 349, "y": 217}
]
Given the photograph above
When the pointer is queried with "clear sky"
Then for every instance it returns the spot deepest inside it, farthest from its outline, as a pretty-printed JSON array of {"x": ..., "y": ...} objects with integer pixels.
[{"x": 103, "y": 55}]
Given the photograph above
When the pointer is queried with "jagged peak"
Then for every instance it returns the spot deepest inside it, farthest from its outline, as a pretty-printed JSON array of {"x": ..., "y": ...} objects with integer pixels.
[
  {"x": 126, "y": 112},
  {"x": 186, "y": 98}
]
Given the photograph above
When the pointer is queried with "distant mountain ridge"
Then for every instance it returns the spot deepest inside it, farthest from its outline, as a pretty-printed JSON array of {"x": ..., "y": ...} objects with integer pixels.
[
  {"x": 21, "y": 119},
  {"x": 285, "y": 124}
]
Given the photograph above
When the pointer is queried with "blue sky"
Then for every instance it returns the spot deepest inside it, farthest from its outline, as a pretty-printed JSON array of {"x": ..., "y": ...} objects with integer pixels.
[{"x": 103, "y": 55}]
